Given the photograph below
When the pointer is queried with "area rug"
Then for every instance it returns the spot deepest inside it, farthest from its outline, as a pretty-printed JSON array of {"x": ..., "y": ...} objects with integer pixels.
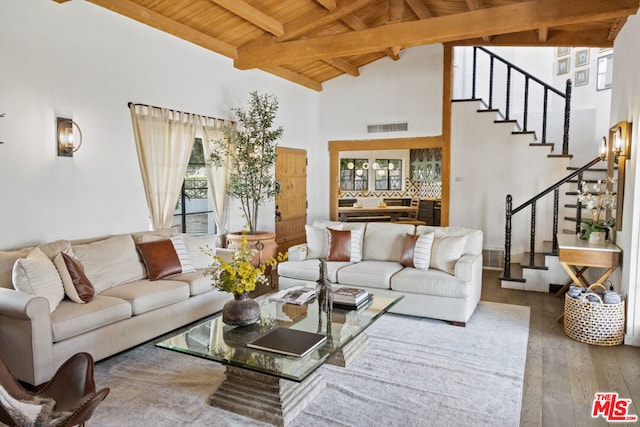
[{"x": 415, "y": 372}]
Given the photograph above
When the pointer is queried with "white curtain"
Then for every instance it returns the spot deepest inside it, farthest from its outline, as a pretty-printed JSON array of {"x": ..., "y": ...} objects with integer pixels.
[
  {"x": 164, "y": 140},
  {"x": 216, "y": 176}
]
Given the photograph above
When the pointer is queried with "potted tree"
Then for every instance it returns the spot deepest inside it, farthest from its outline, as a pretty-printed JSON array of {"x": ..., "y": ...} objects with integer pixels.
[{"x": 250, "y": 147}]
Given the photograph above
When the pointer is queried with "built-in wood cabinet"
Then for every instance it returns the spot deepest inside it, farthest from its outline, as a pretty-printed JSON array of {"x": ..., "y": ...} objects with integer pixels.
[{"x": 429, "y": 211}]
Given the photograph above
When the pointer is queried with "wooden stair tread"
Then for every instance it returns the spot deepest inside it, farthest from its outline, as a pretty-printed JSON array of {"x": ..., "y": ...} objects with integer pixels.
[
  {"x": 515, "y": 274},
  {"x": 573, "y": 168},
  {"x": 538, "y": 261},
  {"x": 588, "y": 181},
  {"x": 569, "y": 156},
  {"x": 574, "y": 205},
  {"x": 467, "y": 100}
]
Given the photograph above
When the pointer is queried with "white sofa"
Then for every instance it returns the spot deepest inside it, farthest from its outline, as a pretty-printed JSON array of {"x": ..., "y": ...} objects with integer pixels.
[
  {"x": 451, "y": 296},
  {"x": 128, "y": 308}
]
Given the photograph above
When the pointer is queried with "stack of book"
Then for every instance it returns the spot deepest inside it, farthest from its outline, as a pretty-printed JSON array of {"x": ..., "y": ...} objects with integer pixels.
[{"x": 350, "y": 298}]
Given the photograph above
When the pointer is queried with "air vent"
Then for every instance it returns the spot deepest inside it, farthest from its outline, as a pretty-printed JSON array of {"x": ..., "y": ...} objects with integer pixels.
[
  {"x": 388, "y": 127},
  {"x": 493, "y": 258}
]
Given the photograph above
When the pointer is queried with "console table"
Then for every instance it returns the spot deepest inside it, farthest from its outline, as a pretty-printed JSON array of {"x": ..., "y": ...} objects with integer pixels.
[{"x": 577, "y": 255}]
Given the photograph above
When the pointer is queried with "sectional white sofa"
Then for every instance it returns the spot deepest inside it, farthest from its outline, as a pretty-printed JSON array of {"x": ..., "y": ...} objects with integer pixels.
[
  {"x": 43, "y": 327},
  {"x": 449, "y": 289}
]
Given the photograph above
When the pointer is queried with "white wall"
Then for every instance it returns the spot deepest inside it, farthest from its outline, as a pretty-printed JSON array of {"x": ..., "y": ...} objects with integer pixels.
[
  {"x": 387, "y": 91},
  {"x": 625, "y": 105},
  {"x": 80, "y": 60}
]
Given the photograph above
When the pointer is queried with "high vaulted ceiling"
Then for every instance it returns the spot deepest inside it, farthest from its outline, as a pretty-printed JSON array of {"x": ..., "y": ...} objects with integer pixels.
[{"x": 311, "y": 41}]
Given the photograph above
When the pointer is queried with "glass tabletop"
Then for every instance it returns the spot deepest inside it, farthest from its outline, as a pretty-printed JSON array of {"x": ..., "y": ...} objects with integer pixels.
[{"x": 214, "y": 340}]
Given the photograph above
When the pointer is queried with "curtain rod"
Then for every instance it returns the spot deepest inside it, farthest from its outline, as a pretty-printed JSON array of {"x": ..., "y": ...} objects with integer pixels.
[{"x": 129, "y": 104}]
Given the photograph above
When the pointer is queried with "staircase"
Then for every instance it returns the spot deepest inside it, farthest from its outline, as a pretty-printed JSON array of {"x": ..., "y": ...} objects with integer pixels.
[
  {"x": 534, "y": 264},
  {"x": 540, "y": 270}
]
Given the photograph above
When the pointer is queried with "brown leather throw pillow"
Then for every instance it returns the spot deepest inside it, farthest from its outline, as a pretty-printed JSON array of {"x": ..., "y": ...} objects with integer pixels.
[
  {"x": 83, "y": 285},
  {"x": 339, "y": 245},
  {"x": 408, "y": 250},
  {"x": 160, "y": 258}
]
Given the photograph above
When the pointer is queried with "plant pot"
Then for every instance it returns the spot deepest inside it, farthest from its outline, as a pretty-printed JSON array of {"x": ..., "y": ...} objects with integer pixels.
[
  {"x": 241, "y": 311},
  {"x": 598, "y": 237},
  {"x": 264, "y": 242}
]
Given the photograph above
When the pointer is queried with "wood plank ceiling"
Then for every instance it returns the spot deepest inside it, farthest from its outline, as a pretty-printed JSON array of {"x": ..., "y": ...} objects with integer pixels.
[{"x": 312, "y": 41}]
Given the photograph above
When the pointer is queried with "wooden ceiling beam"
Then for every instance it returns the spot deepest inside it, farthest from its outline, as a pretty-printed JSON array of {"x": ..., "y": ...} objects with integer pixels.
[
  {"x": 543, "y": 33},
  {"x": 249, "y": 13},
  {"x": 615, "y": 28},
  {"x": 357, "y": 24},
  {"x": 343, "y": 66},
  {"x": 315, "y": 20},
  {"x": 328, "y": 4},
  {"x": 396, "y": 10},
  {"x": 516, "y": 17},
  {"x": 419, "y": 9},
  {"x": 394, "y": 52},
  {"x": 156, "y": 20},
  {"x": 591, "y": 38},
  {"x": 293, "y": 77},
  {"x": 477, "y": 5}
]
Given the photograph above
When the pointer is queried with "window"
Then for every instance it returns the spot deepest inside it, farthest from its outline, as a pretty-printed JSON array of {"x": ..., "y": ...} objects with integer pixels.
[
  {"x": 354, "y": 174},
  {"x": 193, "y": 212},
  {"x": 388, "y": 174},
  {"x": 605, "y": 72}
]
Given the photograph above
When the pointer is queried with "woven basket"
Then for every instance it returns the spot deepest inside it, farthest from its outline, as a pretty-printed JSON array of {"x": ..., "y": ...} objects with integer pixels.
[{"x": 593, "y": 322}]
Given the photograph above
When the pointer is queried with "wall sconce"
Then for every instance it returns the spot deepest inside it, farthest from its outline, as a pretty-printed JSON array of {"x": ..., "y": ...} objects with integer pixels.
[
  {"x": 620, "y": 137},
  {"x": 603, "y": 148},
  {"x": 621, "y": 134},
  {"x": 68, "y": 137}
]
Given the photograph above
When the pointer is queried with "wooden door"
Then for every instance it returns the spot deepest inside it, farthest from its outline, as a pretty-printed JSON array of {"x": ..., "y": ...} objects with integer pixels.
[{"x": 291, "y": 200}]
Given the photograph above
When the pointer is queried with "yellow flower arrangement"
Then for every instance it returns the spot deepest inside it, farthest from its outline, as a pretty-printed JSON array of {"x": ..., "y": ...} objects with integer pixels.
[{"x": 239, "y": 275}]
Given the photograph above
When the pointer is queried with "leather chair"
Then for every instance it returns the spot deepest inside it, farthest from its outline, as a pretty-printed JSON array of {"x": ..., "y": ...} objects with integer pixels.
[{"x": 72, "y": 388}]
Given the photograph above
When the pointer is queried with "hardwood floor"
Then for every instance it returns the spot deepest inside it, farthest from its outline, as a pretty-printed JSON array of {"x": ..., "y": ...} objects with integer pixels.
[{"x": 562, "y": 375}]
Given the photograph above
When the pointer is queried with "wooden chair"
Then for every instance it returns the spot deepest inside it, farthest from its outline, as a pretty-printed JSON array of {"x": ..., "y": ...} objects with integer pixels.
[
  {"x": 72, "y": 389},
  {"x": 412, "y": 217}
]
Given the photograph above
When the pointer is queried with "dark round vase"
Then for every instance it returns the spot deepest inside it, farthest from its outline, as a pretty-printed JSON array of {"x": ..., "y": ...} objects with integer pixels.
[{"x": 241, "y": 311}]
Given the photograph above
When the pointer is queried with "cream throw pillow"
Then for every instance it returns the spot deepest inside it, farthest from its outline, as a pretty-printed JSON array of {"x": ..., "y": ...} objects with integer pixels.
[
  {"x": 318, "y": 240},
  {"x": 36, "y": 275},
  {"x": 446, "y": 251},
  {"x": 422, "y": 251},
  {"x": 183, "y": 254},
  {"x": 356, "y": 245},
  {"x": 195, "y": 246},
  {"x": 110, "y": 262}
]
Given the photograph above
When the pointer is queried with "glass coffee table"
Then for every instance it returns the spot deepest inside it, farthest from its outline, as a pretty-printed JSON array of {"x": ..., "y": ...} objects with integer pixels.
[{"x": 268, "y": 386}]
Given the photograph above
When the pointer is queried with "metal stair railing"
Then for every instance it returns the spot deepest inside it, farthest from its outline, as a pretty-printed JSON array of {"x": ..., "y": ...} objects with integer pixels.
[
  {"x": 510, "y": 212},
  {"x": 547, "y": 89}
]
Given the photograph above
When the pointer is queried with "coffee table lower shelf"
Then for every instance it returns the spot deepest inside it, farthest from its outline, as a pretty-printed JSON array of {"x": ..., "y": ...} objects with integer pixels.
[{"x": 275, "y": 400}]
